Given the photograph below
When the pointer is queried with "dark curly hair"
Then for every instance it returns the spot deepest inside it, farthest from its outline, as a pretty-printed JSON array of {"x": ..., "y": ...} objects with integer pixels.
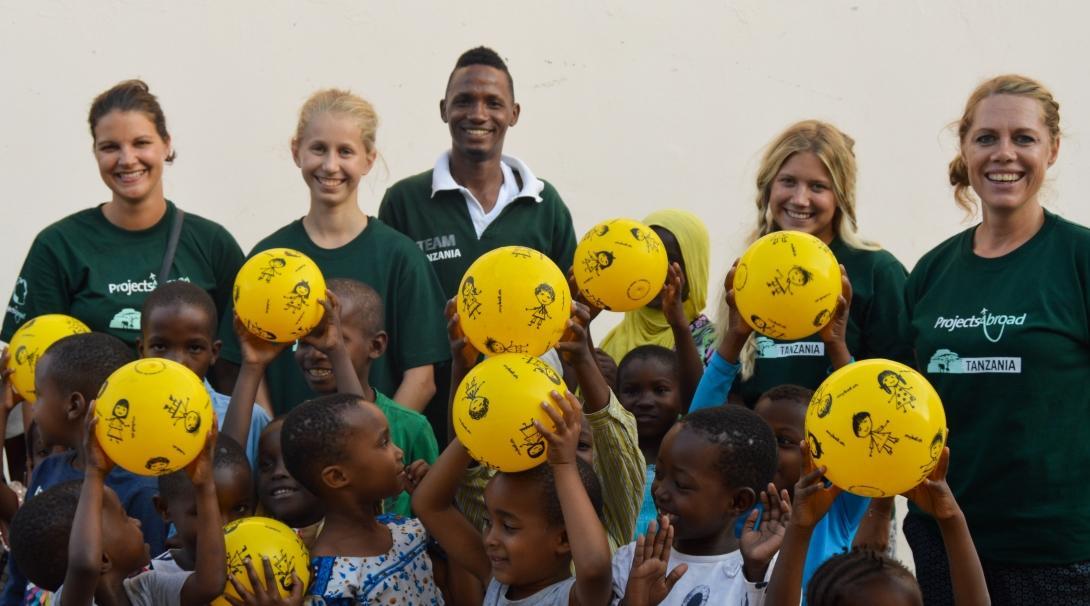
[
  {"x": 314, "y": 436},
  {"x": 39, "y": 534},
  {"x": 842, "y": 575},
  {"x": 482, "y": 55},
  {"x": 177, "y": 294},
  {"x": 543, "y": 475},
  {"x": 748, "y": 455},
  {"x": 82, "y": 363}
]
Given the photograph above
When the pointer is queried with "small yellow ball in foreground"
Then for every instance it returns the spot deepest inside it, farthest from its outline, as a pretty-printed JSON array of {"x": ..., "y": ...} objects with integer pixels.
[
  {"x": 878, "y": 426},
  {"x": 258, "y": 537},
  {"x": 153, "y": 416},
  {"x": 495, "y": 406},
  {"x": 786, "y": 285},
  {"x": 277, "y": 294},
  {"x": 514, "y": 300},
  {"x": 30, "y": 342},
  {"x": 620, "y": 265}
]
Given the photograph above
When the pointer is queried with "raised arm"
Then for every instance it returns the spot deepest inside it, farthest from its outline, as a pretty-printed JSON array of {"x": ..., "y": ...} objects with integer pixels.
[
  {"x": 433, "y": 503},
  {"x": 85, "y": 543},
  {"x": 715, "y": 384},
  {"x": 257, "y": 354},
  {"x": 690, "y": 365},
  {"x": 210, "y": 573},
  {"x": 575, "y": 348},
  {"x": 835, "y": 333},
  {"x": 328, "y": 338},
  {"x": 586, "y": 536}
]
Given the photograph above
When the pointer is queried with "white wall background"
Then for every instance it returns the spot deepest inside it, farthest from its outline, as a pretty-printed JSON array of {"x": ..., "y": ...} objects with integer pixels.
[{"x": 627, "y": 106}]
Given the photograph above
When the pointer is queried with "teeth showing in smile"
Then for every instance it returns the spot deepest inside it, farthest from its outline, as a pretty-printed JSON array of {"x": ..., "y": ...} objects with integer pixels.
[
  {"x": 281, "y": 492},
  {"x": 329, "y": 182},
  {"x": 131, "y": 175},
  {"x": 477, "y": 132},
  {"x": 794, "y": 214},
  {"x": 319, "y": 373},
  {"x": 1004, "y": 177}
]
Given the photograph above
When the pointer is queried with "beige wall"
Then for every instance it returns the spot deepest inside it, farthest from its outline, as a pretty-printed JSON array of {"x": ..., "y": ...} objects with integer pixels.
[{"x": 627, "y": 106}]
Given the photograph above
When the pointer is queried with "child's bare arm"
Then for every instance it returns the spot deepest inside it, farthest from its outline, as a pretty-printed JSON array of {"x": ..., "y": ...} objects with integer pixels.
[
  {"x": 648, "y": 583},
  {"x": 690, "y": 366},
  {"x": 433, "y": 503},
  {"x": 812, "y": 501},
  {"x": 873, "y": 530},
  {"x": 575, "y": 348},
  {"x": 463, "y": 355},
  {"x": 9, "y": 501},
  {"x": 210, "y": 573},
  {"x": 328, "y": 338},
  {"x": 586, "y": 536},
  {"x": 257, "y": 354},
  {"x": 85, "y": 543},
  {"x": 934, "y": 496},
  {"x": 835, "y": 333},
  {"x": 738, "y": 332}
]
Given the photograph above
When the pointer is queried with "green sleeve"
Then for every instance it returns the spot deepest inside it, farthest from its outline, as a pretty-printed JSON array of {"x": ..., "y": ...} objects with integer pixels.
[
  {"x": 226, "y": 261},
  {"x": 386, "y": 210},
  {"x": 43, "y": 287},
  {"x": 424, "y": 445},
  {"x": 885, "y": 333},
  {"x": 419, "y": 337},
  {"x": 564, "y": 237}
]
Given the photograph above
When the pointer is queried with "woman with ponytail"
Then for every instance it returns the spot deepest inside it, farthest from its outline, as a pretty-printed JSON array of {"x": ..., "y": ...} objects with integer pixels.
[{"x": 1000, "y": 320}]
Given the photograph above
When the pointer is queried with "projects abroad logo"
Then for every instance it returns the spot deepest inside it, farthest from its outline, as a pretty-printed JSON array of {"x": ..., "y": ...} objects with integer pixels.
[
  {"x": 132, "y": 287},
  {"x": 993, "y": 325}
]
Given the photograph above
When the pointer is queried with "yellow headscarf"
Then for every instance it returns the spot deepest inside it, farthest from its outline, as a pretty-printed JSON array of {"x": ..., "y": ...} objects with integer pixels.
[{"x": 649, "y": 326}]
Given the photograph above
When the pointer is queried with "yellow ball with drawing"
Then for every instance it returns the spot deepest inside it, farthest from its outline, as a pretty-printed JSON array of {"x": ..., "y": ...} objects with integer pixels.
[
  {"x": 153, "y": 416},
  {"x": 786, "y": 285},
  {"x": 878, "y": 426},
  {"x": 513, "y": 299},
  {"x": 258, "y": 538},
  {"x": 277, "y": 294},
  {"x": 620, "y": 265},
  {"x": 495, "y": 406},
  {"x": 30, "y": 342}
]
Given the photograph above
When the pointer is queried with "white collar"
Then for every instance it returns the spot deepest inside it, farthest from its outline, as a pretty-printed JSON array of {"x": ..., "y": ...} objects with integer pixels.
[{"x": 442, "y": 180}]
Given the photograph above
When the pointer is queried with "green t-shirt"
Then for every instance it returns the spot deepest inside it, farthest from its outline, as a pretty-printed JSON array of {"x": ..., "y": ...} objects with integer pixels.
[
  {"x": 387, "y": 262},
  {"x": 1006, "y": 343},
  {"x": 441, "y": 227},
  {"x": 89, "y": 268},
  {"x": 412, "y": 433},
  {"x": 875, "y": 327}
]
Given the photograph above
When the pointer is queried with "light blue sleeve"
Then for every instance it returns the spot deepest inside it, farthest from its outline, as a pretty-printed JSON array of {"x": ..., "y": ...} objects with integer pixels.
[{"x": 715, "y": 384}]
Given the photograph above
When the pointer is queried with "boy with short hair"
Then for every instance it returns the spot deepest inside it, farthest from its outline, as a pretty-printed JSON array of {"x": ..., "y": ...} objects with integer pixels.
[
  {"x": 86, "y": 548},
  {"x": 179, "y": 322},
  {"x": 67, "y": 378}
]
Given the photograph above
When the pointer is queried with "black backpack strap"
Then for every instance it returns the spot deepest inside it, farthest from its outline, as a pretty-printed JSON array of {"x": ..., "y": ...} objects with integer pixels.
[{"x": 172, "y": 246}]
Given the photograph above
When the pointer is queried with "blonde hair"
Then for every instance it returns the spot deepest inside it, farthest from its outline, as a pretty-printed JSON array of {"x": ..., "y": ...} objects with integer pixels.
[
  {"x": 344, "y": 103},
  {"x": 1007, "y": 84},
  {"x": 835, "y": 150}
]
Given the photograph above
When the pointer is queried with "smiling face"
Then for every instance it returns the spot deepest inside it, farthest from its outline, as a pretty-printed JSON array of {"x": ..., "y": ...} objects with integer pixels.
[
  {"x": 130, "y": 155},
  {"x": 280, "y": 494},
  {"x": 362, "y": 347},
  {"x": 801, "y": 196},
  {"x": 648, "y": 389},
  {"x": 526, "y": 551},
  {"x": 787, "y": 419},
  {"x": 479, "y": 107},
  {"x": 332, "y": 158},
  {"x": 182, "y": 333},
  {"x": 1007, "y": 150}
]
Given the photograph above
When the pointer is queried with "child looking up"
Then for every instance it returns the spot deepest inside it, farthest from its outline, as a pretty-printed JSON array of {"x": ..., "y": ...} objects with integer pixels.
[
  {"x": 864, "y": 576},
  {"x": 540, "y": 522},
  {"x": 647, "y": 386},
  {"x": 94, "y": 548},
  {"x": 177, "y": 502},
  {"x": 179, "y": 323},
  {"x": 339, "y": 448},
  {"x": 357, "y": 333},
  {"x": 712, "y": 466},
  {"x": 282, "y": 496},
  {"x": 67, "y": 378}
]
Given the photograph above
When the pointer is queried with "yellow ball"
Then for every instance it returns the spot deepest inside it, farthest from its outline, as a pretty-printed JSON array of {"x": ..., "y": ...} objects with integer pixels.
[
  {"x": 786, "y": 285},
  {"x": 153, "y": 416},
  {"x": 620, "y": 265},
  {"x": 30, "y": 342},
  {"x": 878, "y": 426},
  {"x": 514, "y": 300},
  {"x": 495, "y": 406},
  {"x": 257, "y": 537},
  {"x": 277, "y": 294}
]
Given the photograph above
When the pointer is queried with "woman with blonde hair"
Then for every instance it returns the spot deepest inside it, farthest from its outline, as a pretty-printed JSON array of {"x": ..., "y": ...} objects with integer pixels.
[
  {"x": 334, "y": 148},
  {"x": 806, "y": 182},
  {"x": 1000, "y": 320}
]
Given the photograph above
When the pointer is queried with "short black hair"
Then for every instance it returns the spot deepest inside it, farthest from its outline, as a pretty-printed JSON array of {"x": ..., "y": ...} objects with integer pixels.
[
  {"x": 314, "y": 436},
  {"x": 843, "y": 574},
  {"x": 82, "y": 363},
  {"x": 543, "y": 475},
  {"x": 796, "y": 394},
  {"x": 177, "y": 294},
  {"x": 665, "y": 355},
  {"x": 228, "y": 454},
  {"x": 366, "y": 300},
  {"x": 482, "y": 55},
  {"x": 748, "y": 454},
  {"x": 857, "y": 420},
  {"x": 40, "y": 531}
]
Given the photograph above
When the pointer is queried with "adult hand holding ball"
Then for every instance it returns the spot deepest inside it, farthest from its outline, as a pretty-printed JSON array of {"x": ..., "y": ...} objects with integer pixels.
[
  {"x": 877, "y": 426},
  {"x": 620, "y": 265},
  {"x": 153, "y": 416},
  {"x": 277, "y": 294},
  {"x": 786, "y": 285}
]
